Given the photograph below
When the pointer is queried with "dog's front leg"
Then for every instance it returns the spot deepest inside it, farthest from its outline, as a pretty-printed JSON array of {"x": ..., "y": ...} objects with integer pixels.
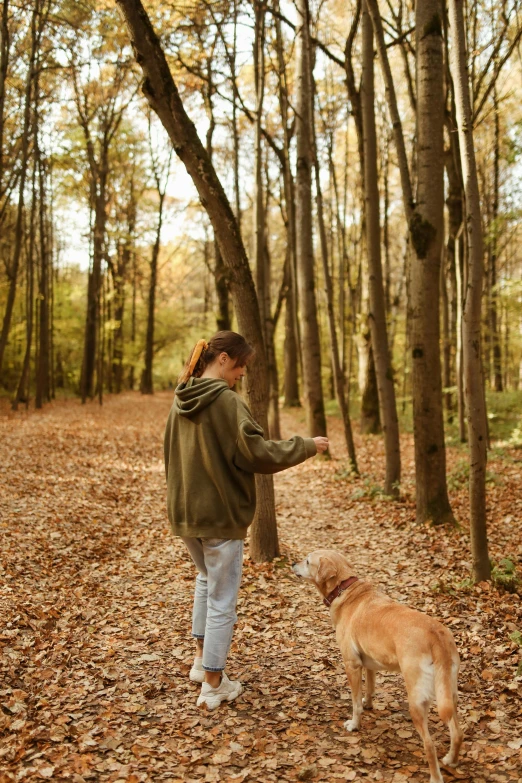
[{"x": 354, "y": 674}]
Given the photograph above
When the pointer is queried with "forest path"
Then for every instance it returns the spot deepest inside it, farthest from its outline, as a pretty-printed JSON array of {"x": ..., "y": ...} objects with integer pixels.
[{"x": 96, "y": 603}]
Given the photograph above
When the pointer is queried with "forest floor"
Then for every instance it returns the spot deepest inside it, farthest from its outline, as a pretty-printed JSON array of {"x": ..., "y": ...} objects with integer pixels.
[{"x": 96, "y": 602}]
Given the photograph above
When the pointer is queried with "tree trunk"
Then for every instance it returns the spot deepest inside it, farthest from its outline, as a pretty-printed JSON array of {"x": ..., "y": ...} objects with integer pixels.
[
  {"x": 311, "y": 347},
  {"x": 42, "y": 364},
  {"x": 94, "y": 287},
  {"x": 4, "y": 62},
  {"x": 473, "y": 382},
  {"x": 147, "y": 383},
  {"x": 427, "y": 233},
  {"x": 23, "y": 391},
  {"x": 370, "y": 421},
  {"x": 258, "y": 229},
  {"x": 24, "y": 156},
  {"x": 493, "y": 250},
  {"x": 337, "y": 374},
  {"x": 223, "y": 319},
  {"x": 377, "y": 317},
  {"x": 162, "y": 94},
  {"x": 292, "y": 341}
]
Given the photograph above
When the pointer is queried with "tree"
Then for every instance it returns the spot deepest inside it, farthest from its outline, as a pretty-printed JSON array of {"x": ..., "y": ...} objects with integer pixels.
[
  {"x": 381, "y": 352},
  {"x": 473, "y": 381},
  {"x": 160, "y": 172},
  {"x": 311, "y": 346},
  {"x": 161, "y": 92}
]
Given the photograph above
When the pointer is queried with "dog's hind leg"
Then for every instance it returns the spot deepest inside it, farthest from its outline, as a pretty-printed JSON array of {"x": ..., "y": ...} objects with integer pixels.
[
  {"x": 456, "y": 735},
  {"x": 419, "y": 715},
  {"x": 369, "y": 689},
  {"x": 354, "y": 674}
]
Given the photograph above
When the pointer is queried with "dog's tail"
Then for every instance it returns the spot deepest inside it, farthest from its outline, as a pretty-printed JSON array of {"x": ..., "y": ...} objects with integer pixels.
[{"x": 446, "y": 664}]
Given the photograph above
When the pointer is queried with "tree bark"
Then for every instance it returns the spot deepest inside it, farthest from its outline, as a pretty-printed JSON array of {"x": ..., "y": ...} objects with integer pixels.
[
  {"x": 427, "y": 233},
  {"x": 24, "y": 156},
  {"x": 4, "y": 62},
  {"x": 22, "y": 393},
  {"x": 42, "y": 365},
  {"x": 292, "y": 341},
  {"x": 493, "y": 251},
  {"x": 147, "y": 383},
  {"x": 162, "y": 94},
  {"x": 473, "y": 382},
  {"x": 338, "y": 378},
  {"x": 311, "y": 347},
  {"x": 377, "y": 316}
]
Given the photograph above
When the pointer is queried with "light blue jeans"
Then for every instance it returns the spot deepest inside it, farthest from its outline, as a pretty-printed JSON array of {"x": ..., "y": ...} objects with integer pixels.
[{"x": 219, "y": 562}]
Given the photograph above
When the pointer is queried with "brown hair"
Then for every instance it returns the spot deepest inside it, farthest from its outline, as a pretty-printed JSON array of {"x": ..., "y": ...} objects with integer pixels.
[{"x": 230, "y": 343}]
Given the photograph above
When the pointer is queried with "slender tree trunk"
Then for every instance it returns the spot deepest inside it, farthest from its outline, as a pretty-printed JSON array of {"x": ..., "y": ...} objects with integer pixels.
[
  {"x": 383, "y": 368},
  {"x": 24, "y": 156},
  {"x": 258, "y": 232},
  {"x": 473, "y": 382},
  {"x": 337, "y": 375},
  {"x": 311, "y": 346},
  {"x": 147, "y": 383},
  {"x": 4, "y": 62},
  {"x": 493, "y": 317},
  {"x": 427, "y": 232},
  {"x": 132, "y": 371},
  {"x": 459, "y": 274},
  {"x": 162, "y": 94},
  {"x": 292, "y": 345},
  {"x": 42, "y": 365},
  {"x": 23, "y": 391}
]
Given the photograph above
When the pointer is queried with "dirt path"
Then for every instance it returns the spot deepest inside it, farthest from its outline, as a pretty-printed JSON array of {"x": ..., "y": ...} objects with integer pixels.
[{"x": 96, "y": 603}]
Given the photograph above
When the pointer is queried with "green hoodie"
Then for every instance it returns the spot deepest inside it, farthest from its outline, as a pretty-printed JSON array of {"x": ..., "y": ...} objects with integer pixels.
[{"x": 213, "y": 448}]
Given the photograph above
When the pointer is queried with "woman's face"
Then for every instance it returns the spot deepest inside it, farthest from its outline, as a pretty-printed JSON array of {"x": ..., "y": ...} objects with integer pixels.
[{"x": 229, "y": 371}]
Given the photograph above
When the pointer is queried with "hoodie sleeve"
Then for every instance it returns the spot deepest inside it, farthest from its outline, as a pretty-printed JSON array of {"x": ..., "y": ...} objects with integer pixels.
[
  {"x": 257, "y": 455},
  {"x": 166, "y": 445}
]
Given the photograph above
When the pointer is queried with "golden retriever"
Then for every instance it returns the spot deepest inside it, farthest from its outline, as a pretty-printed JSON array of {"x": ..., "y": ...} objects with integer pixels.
[{"x": 375, "y": 634}]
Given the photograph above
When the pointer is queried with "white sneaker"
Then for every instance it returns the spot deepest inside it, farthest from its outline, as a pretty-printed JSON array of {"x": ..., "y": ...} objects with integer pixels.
[
  {"x": 228, "y": 690},
  {"x": 197, "y": 673}
]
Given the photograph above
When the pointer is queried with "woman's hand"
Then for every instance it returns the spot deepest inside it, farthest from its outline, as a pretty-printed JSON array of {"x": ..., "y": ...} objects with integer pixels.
[{"x": 321, "y": 444}]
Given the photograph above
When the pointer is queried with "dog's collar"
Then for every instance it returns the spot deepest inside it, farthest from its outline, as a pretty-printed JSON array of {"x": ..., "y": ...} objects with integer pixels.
[{"x": 337, "y": 591}]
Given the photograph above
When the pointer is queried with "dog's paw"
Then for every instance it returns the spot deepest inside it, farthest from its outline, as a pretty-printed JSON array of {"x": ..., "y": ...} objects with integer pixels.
[
  {"x": 351, "y": 725},
  {"x": 449, "y": 761},
  {"x": 367, "y": 703}
]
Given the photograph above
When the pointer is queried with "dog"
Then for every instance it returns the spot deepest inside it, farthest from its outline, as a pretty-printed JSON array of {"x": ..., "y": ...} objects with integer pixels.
[{"x": 376, "y": 633}]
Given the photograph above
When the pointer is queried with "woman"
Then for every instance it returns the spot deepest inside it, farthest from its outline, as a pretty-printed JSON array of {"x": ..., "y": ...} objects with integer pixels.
[{"x": 213, "y": 448}]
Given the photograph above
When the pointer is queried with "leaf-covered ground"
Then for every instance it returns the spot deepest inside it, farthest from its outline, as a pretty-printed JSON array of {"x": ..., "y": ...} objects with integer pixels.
[{"x": 96, "y": 603}]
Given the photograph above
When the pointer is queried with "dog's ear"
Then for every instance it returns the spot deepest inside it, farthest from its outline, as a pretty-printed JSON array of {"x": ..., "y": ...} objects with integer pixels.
[{"x": 326, "y": 570}]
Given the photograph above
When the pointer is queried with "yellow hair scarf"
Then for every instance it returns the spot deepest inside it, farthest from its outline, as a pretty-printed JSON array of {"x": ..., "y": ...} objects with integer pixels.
[{"x": 200, "y": 346}]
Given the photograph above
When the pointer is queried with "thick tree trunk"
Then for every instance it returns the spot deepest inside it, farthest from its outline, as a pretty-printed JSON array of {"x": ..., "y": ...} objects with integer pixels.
[
  {"x": 377, "y": 318},
  {"x": 163, "y": 96},
  {"x": 370, "y": 421},
  {"x": 427, "y": 234},
  {"x": 311, "y": 347},
  {"x": 473, "y": 382}
]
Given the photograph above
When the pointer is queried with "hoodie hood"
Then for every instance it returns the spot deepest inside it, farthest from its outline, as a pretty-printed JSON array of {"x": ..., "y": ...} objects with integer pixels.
[{"x": 196, "y": 394}]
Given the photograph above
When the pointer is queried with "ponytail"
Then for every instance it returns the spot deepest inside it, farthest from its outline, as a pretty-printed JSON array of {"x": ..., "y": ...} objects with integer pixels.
[{"x": 205, "y": 353}]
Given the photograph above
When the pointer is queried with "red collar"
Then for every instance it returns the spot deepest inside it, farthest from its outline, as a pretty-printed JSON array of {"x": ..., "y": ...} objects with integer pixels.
[{"x": 336, "y": 592}]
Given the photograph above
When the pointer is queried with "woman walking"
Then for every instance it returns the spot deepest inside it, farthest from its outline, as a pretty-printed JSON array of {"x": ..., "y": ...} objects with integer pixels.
[{"x": 213, "y": 448}]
